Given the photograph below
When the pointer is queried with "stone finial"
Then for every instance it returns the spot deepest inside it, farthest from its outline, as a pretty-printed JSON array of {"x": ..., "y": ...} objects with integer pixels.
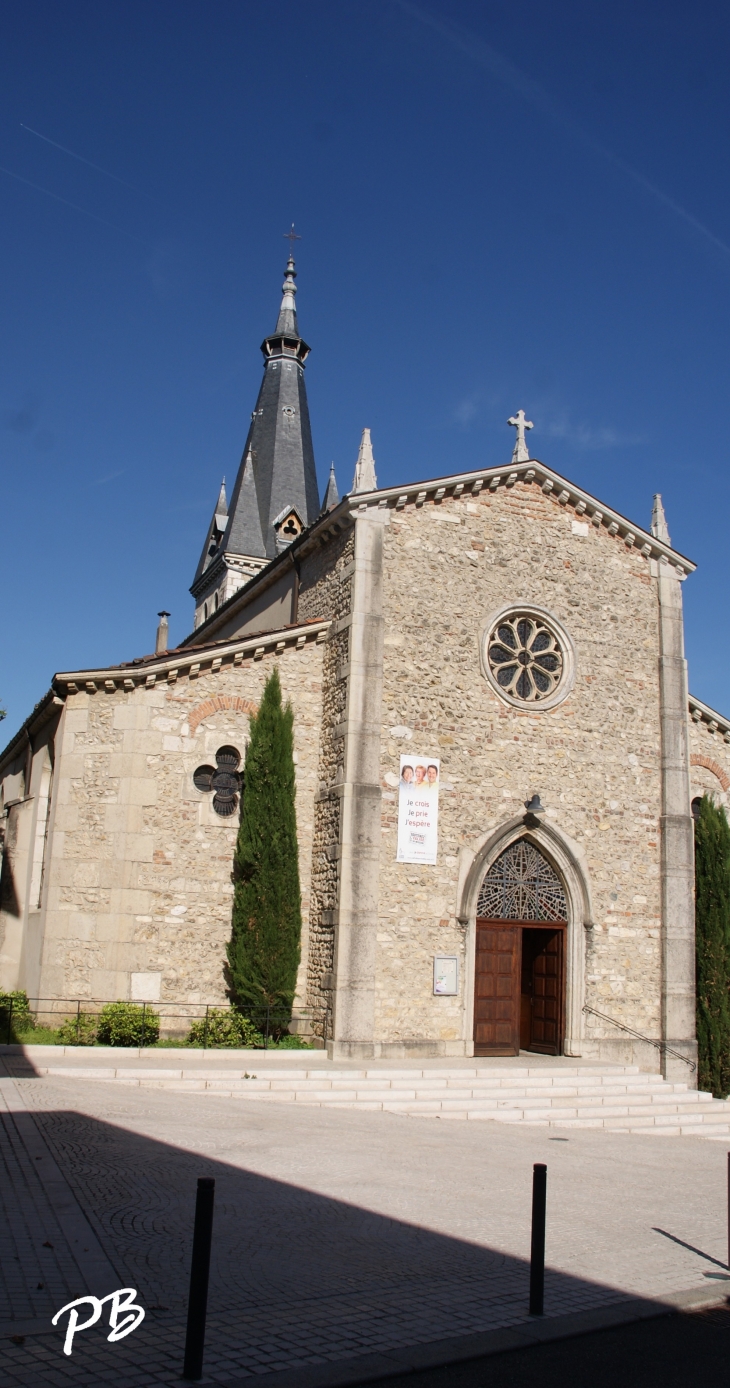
[
  {"x": 162, "y": 633},
  {"x": 521, "y": 452},
  {"x": 287, "y": 321},
  {"x": 332, "y": 495},
  {"x": 365, "y": 479},
  {"x": 659, "y": 521}
]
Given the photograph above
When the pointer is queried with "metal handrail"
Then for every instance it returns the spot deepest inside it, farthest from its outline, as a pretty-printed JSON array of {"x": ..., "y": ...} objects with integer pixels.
[{"x": 652, "y": 1040}]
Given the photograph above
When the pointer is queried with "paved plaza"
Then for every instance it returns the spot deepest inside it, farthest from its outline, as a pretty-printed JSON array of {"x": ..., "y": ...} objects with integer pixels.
[{"x": 346, "y": 1243}]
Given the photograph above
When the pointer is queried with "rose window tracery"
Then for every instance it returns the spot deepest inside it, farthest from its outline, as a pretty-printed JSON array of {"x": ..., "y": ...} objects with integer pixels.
[
  {"x": 525, "y": 657},
  {"x": 223, "y": 779},
  {"x": 521, "y": 885}
]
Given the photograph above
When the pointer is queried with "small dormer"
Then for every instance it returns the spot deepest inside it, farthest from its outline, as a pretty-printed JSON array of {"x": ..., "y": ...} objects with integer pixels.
[{"x": 287, "y": 526}]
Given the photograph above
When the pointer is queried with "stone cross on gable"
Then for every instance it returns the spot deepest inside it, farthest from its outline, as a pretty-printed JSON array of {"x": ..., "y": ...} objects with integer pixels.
[{"x": 521, "y": 451}]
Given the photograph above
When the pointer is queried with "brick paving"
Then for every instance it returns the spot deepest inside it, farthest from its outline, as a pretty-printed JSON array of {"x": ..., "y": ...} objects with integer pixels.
[{"x": 337, "y": 1234}]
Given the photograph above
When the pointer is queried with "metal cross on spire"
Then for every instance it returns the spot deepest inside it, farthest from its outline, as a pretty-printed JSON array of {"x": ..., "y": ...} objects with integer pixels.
[
  {"x": 521, "y": 452},
  {"x": 291, "y": 237}
]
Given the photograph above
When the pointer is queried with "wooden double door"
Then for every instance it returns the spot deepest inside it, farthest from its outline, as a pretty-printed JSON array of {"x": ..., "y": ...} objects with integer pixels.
[{"x": 519, "y": 987}]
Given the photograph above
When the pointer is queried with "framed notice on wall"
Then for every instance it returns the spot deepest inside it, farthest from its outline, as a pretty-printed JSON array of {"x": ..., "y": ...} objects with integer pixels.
[
  {"x": 446, "y": 975},
  {"x": 418, "y": 809}
]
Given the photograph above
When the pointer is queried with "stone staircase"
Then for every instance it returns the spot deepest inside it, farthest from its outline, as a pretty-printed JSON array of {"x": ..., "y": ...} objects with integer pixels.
[{"x": 619, "y": 1098}]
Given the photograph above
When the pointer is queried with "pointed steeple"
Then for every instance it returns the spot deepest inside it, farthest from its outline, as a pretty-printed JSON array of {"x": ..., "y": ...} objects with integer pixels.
[
  {"x": 218, "y": 523},
  {"x": 365, "y": 479},
  {"x": 332, "y": 496},
  {"x": 659, "y": 527},
  {"x": 275, "y": 494}
]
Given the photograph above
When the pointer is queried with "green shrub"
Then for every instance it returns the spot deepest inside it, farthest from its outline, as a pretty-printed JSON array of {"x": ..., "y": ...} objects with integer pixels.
[
  {"x": 712, "y": 936},
  {"x": 224, "y": 1028},
  {"x": 127, "y": 1024},
  {"x": 15, "y": 1016},
  {"x": 292, "y": 1043},
  {"x": 79, "y": 1031}
]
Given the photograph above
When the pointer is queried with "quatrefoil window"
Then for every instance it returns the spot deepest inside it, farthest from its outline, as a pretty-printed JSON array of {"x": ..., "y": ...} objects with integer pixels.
[{"x": 223, "y": 779}]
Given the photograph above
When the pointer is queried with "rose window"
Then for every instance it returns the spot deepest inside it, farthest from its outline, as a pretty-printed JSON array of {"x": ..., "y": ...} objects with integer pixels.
[
  {"x": 223, "y": 779},
  {"x": 525, "y": 658}
]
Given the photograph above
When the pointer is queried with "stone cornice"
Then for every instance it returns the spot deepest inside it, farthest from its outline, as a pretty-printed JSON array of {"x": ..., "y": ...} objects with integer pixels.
[
  {"x": 211, "y": 576},
  {"x": 191, "y": 662},
  {"x": 470, "y": 484},
  {"x": 714, "y": 722}
]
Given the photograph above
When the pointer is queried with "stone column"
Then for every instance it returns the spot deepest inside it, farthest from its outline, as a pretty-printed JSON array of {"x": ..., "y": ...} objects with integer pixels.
[
  {"x": 356, "y": 917},
  {"x": 677, "y": 836}
]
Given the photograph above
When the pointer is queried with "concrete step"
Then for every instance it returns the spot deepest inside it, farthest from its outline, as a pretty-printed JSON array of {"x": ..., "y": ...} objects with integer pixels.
[{"x": 611, "y": 1097}]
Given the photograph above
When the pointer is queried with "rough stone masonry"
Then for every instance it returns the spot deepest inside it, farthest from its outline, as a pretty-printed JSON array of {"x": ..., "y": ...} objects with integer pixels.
[{"x": 117, "y": 868}]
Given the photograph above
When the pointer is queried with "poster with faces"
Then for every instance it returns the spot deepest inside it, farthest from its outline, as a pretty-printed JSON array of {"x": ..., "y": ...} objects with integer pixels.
[{"x": 418, "y": 809}]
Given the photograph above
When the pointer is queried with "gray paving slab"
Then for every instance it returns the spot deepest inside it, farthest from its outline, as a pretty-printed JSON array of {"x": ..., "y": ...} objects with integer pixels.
[{"x": 342, "y": 1239}]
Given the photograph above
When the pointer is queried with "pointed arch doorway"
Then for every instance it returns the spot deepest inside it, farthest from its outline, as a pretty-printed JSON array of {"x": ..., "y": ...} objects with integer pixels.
[{"x": 519, "y": 980}]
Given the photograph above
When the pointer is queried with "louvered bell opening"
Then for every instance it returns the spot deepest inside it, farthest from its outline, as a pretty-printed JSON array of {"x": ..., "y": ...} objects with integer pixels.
[{"x": 224, "y": 803}]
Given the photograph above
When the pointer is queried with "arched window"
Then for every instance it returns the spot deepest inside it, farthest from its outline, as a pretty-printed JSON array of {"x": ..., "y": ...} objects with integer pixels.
[
  {"x": 522, "y": 886},
  {"x": 205, "y": 612}
]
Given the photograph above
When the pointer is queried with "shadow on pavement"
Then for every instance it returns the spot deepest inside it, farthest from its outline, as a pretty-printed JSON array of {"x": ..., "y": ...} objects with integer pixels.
[
  {"x": 672, "y": 1351},
  {"x": 301, "y": 1283}
]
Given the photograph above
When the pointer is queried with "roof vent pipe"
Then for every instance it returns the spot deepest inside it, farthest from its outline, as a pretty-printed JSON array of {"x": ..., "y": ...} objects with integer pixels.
[{"x": 161, "y": 641}]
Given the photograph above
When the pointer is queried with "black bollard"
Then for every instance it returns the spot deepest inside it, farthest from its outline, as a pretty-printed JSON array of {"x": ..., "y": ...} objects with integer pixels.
[
  {"x": 199, "y": 1270},
  {"x": 537, "y": 1247}
]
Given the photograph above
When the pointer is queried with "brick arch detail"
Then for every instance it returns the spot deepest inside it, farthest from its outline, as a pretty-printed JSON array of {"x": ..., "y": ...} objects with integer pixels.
[
  {"x": 219, "y": 701},
  {"x": 712, "y": 766}
]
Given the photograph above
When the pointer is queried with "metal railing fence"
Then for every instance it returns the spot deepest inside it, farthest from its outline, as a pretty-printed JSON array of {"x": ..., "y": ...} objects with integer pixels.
[{"x": 170, "y": 1019}]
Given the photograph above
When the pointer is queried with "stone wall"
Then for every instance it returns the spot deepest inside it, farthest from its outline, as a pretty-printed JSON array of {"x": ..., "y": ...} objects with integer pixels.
[
  {"x": 594, "y": 759},
  {"x": 26, "y": 783},
  {"x": 710, "y": 762},
  {"x": 326, "y": 591},
  {"x": 139, "y": 881}
]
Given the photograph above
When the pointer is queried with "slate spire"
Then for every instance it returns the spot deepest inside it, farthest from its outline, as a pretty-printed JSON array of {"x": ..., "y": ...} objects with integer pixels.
[
  {"x": 332, "y": 496},
  {"x": 275, "y": 495},
  {"x": 219, "y": 521}
]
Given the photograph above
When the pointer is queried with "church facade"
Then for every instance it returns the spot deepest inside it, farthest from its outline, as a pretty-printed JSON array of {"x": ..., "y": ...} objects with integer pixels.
[{"x": 500, "y": 626}]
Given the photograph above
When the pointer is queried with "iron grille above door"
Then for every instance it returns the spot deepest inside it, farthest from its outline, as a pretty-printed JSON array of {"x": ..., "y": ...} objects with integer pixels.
[{"x": 522, "y": 886}]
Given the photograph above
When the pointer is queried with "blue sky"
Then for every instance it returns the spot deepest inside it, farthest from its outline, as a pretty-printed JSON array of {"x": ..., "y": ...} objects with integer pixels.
[{"x": 501, "y": 205}]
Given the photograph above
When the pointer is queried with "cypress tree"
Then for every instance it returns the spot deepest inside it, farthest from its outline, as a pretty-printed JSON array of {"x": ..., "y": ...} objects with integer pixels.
[
  {"x": 264, "y": 949},
  {"x": 712, "y": 935}
]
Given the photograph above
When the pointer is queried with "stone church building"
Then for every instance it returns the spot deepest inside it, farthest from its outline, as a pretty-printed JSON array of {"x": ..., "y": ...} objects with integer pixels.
[{"x": 504, "y": 626}]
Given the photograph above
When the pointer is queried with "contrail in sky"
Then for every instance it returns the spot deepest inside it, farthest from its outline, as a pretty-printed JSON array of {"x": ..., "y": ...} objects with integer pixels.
[
  {"x": 74, "y": 205},
  {"x": 500, "y": 67},
  {"x": 81, "y": 159},
  {"x": 99, "y": 481}
]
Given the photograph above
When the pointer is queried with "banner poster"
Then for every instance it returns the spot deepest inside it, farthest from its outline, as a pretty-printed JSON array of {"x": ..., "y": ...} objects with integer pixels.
[{"x": 418, "y": 809}]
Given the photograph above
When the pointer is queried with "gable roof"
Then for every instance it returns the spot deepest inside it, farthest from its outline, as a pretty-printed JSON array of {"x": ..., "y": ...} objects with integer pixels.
[{"x": 458, "y": 484}]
